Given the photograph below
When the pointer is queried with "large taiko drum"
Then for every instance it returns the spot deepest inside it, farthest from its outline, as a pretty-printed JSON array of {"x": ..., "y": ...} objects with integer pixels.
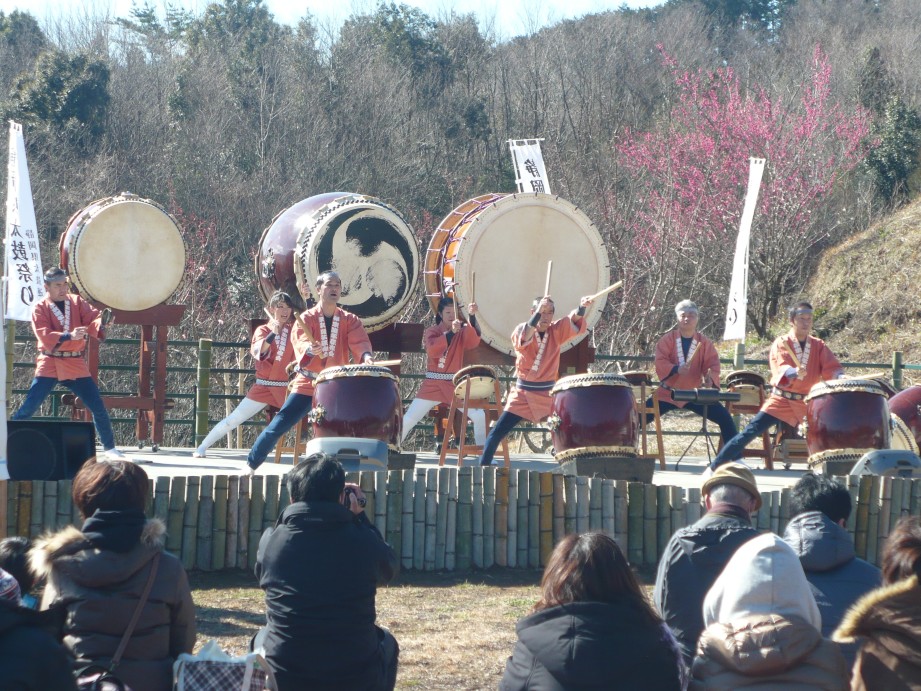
[
  {"x": 357, "y": 401},
  {"x": 845, "y": 419},
  {"x": 906, "y": 407},
  {"x": 507, "y": 240},
  {"x": 367, "y": 242},
  {"x": 124, "y": 252},
  {"x": 593, "y": 416}
]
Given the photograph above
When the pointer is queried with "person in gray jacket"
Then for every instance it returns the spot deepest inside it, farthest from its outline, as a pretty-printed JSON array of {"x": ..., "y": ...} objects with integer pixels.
[{"x": 820, "y": 507}]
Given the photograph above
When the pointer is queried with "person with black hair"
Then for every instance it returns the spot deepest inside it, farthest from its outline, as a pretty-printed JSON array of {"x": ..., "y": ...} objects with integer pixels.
[
  {"x": 14, "y": 559},
  {"x": 820, "y": 506},
  {"x": 798, "y": 361},
  {"x": 320, "y": 566}
]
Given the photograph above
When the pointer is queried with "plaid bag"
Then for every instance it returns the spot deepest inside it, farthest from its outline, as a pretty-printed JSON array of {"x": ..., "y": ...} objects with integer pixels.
[{"x": 212, "y": 668}]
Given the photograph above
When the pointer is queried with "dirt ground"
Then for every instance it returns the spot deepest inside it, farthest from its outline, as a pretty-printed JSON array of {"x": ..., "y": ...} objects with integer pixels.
[{"x": 455, "y": 630}]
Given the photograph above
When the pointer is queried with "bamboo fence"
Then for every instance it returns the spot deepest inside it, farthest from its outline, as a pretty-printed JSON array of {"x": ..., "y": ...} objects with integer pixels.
[{"x": 454, "y": 519}]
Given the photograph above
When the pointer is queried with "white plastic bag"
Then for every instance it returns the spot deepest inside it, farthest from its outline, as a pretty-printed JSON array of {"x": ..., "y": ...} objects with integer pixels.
[{"x": 212, "y": 669}]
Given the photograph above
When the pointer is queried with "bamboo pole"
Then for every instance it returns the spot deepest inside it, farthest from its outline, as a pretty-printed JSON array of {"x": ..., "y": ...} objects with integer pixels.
[
  {"x": 784, "y": 510},
  {"x": 37, "y": 509},
  {"x": 406, "y": 549},
  {"x": 621, "y": 515},
  {"x": 678, "y": 513},
  {"x": 608, "y": 524},
  {"x": 380, "y": 501},
  {"x": 202, "y": 390},
  {"x": 853, "y": 487},
  {"x": 366, "y": 482},
  {"x": 219, "y": 543},
  {"x": 441, "y": 519},
  {"x": 174, "y": 515},
  {"x": 241, "y": 391},
  {"x": 394, "y": 510},
  {"x": 501, "y": 516},
  {"x": 582, "y": 505},
  {"x": 464, "y": 518},
  {"x": 663, "y": 518},
  {"x": 635, "y": 497},
  {"x": 762, "y": 517},
  {"x": 233, "y": 519},
  {"x": 885, "y": 507},
  {"x": 650, "y": 546},
  {"x": 25, "y": 507},
  {"x": 489, "y": 517},
  {"x": 522, "y": 524},
  {"x": 161, "y": 498},
  {"x": 254, "y": 529},
  {"x": 594, "y": 504},
  {"x": 205, "y": 524},
  {"x": 545, "y": 517},
  {"x": 270, "y": 508},
  {"x": 49, "y": 505},
  {"x": 451, "y": 536},
  {"x": 693, "y": 506},
  {"x": 64, "y": 504},
  {"x": 477, "y": 516},
  {"x": 775, "y": 512},
  {"x": 873, "y": 520},
  {"x": 190, "y": 522},
  {"x": 915, "y": 503},
  {"x": 559, "y": 509},
  {"x": 419, "y": 520},
  {"x": 569, "y": 483},
  {"x": 511, "y": 556},
  {"x": 243, "y": 523},
  {"x": 534, "y": 519},
  {"x": 863, "y": 516},
  {"x": 431, "y": 516}
]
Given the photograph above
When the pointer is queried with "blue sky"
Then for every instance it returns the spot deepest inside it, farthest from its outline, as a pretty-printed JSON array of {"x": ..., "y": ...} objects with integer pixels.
[{"x": 511, "y": 17}]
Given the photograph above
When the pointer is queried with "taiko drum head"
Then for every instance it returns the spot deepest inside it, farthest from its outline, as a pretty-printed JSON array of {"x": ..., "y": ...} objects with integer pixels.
[
  {"x": 482, "y": 380},
  {"x": 507, "y": 241},
  {"x": 125, "y": 252},
  {"x": 366, "y": 241}
]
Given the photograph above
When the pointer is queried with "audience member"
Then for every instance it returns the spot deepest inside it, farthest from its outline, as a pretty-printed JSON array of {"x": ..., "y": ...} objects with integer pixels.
[
  {"x": 98, "y": 574},
  {"x": 320, "y": 567},
  {"x": 14, "y": 559},
  {"x": 887, "y": 621},
  {"x": 696, "y": 555},
  {"x": 593, "y": 627},
  {"x": 820, "y": 506},
  {"x": 762, "y": 626},
  {"x": 30, "y": 658}
]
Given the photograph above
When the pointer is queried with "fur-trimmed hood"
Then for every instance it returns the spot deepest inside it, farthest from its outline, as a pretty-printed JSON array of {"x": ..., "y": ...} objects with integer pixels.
[
  {"x": 69, "y": 550},
  {"x": 878, "y": 606}
]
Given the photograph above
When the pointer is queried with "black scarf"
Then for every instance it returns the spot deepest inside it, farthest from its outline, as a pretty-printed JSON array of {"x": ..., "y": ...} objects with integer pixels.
[{"x": 118, "y": 531}]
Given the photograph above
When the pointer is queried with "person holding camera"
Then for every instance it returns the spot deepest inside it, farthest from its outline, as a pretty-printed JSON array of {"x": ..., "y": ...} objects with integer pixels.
[{"x": 320, "y": 566}]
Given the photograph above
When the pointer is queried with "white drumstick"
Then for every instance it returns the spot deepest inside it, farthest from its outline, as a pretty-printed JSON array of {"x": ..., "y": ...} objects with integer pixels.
[
  {"x": 607, "y": 290},
  {"x": 388, "y": 363},
  {"x": 549, "y": 272}
]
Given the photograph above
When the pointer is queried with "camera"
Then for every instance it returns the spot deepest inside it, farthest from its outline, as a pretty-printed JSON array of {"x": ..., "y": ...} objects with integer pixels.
[{"x": 347, "y": 500}]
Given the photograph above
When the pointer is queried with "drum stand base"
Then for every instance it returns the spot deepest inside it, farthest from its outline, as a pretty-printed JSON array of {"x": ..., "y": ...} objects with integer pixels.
[
  {"x": 634, "y": 469},
  {"x": 705, "y": 433}
]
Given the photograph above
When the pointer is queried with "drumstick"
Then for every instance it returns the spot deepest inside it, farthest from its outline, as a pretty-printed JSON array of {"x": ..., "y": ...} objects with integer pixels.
[
  {"x": 792, "y": 354},
  {"x": 607, "y": 290},
  {"x": 473, "y": 287},
  {"x": 549, "y": 271},
  {"x": 388, "y": 363}
]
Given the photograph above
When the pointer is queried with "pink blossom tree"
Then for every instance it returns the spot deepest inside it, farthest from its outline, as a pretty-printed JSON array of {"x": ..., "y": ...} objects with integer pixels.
[{"x": 690, "y": 177}]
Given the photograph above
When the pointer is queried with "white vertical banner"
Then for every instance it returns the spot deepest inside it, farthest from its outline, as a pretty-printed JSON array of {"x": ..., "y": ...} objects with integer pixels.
[
  {"x": 738, "y": 288},
  {"x": 4, "y": 472},
  {"x": 23, "y": 263},
  {"x": 530, "y": 173}
]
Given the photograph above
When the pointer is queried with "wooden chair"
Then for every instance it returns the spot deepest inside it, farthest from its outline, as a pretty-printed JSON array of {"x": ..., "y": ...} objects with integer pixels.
[
  {"x": 643, "y": 389},
  {"x": 464, "y": 405}
]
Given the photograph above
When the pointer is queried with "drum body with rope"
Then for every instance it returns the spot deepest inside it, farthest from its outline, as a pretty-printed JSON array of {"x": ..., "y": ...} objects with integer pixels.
[
  {"x": 367, "y": 242},
  {"x": 124, "y": 252},
  {"x": 845, "y": 419},
  {"x": 357, "y": 401},
  {"x": 507, "y": 241},
  {"x": 593, "y": 416},
  {"x": 906, "y": 407},
  {"x": 482, "y": 381}
]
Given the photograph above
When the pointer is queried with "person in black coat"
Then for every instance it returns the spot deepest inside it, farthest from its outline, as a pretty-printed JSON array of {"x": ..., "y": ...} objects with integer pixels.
[
  {"x": 593, "y": 627},
  {"x": 319, "y": 567}
]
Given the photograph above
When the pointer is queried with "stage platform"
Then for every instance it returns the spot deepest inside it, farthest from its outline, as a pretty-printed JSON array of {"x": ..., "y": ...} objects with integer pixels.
[{"x": 172, "y": 462}]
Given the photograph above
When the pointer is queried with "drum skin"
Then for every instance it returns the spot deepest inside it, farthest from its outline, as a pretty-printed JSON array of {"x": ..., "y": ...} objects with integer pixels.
[
  {"x": 847, "y": 414},
  {"x": 482, "y": 380},
  {"x": 906, "y": 405},
  {"x": 506, "y": 240},
  {"x": 367, "y": 242},
  {"x": 357, "y": 401},
  {"x": 124, "y": 252},
  {"x": 593, "y": 415}
]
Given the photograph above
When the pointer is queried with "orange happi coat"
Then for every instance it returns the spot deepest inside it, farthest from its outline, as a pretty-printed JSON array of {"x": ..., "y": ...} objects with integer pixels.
[
  {"x": 444, "y": 359},
  {"x": 703, "y": 357},
  {"x": 49, "y": 329},
  {"x": 350, "y": 339},
  {"x": 270, "y": 366}
]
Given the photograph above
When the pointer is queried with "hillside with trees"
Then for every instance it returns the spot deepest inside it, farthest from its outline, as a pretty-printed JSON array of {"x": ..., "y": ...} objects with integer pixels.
[{"x": 648, "y": 119}]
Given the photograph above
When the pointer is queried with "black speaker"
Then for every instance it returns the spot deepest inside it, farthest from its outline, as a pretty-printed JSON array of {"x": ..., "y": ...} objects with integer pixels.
[{"x": 48, "y": 449}]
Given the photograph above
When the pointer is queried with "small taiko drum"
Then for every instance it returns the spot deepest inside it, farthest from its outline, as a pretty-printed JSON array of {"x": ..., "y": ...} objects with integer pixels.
[
  {"x": 357, "y": 401},
  {"x": 845, "y": 419},
  {"x": 507, "y": 240},
  {"x": 750, "y": 386},
  {"x": 124, "y": 252},
  {"x": 480, "y": 378},
  {"x": 906, "y": 407},
  {"x": 367, "y": 242},
  {"x": 593, "y": 416},
  {"x": 642, "y": 382}
]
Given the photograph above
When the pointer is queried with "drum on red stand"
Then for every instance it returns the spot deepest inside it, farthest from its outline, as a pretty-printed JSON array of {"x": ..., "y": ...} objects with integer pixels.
[
  {"x": 124, "y": 252},
  {"x": 507, "y": 240},
  {"x": 845, "y": 419},
  {"x": 366, "y": 241},
  {"x": 593, "y": 416},
  {"x": 357, "y": 401}
]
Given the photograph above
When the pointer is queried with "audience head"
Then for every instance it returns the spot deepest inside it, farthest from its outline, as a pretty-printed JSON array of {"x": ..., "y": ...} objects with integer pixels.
[
  {"x": 589, "y": 567},
  {"x": 319, "y": 477},
  {"x": 732, "y": 483},
  {"x": 902, "y": 551},
  {"x": 9, "y": 589},
  {"x": 764, "y": 576},
  {"x": 109, "y": 486},
  {"x": 14, "y": 559},
  {"x": 820, "y": 493}
]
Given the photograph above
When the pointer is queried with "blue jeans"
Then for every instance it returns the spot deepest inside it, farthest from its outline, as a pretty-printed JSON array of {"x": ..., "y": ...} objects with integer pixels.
[
  {"x": 499, "y": 431},
  {"x": 85, "y": 388},
  {"x": 732, "y": 449},
  {"x": 716, "y": 412},
  {"x": 296, "y": 406}
]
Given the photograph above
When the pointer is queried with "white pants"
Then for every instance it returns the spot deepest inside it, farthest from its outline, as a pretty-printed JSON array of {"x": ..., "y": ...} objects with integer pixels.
[
  {"x": 420, "y": 407},
  {"x": 243, "y": 412}
]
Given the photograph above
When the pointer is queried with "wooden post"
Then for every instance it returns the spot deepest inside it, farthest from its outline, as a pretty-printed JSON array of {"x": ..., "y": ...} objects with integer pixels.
[
  {"x": 546, "y": 517},
  {"x": 205, "y": 524},
  {"x": 897, "y": 370},
  {"x": 190, "y": 522},
  {"x": 635, "y": 523},
  {"x": 441, "y": 519},
  {"x": 203, "y": 390},
  {"x": 451, "y": 536},
  {"x": 464, "y": 518},
  {"x": 219, "y": 544},
  {"x": 489, "y": 517}
]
